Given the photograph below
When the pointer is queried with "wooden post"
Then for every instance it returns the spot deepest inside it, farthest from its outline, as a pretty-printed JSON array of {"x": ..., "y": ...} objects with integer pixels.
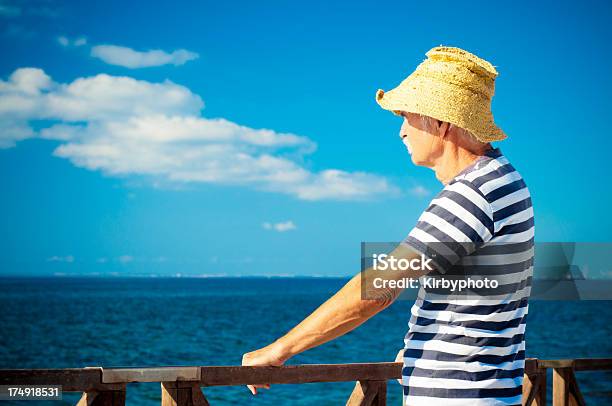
[
  {"x": 565, "y": 388},
  {"x": 560, "y": 387},
  {"x": 381, "y": 398},
  {"x": 369, "y": 393},
  {"x": 576, "y": 398},
  {"x": 561, "y": 383},
  {"x": 182, "y": 394},
  {"x": 103, "y": 398},
  {"x": 534, "y": 388}
]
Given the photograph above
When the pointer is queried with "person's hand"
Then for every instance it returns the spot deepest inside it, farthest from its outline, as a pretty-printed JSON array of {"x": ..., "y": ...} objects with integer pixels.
[
  {"x": 267, "y": 356},
  {"x": 400, "y": 358}
]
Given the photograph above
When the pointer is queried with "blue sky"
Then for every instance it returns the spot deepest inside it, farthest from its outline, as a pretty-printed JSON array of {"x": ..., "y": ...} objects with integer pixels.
[{"x": 242, "y": 138}]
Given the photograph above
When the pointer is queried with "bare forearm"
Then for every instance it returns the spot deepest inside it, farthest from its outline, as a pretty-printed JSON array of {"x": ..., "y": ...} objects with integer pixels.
[{"x": 343, "y": 312}]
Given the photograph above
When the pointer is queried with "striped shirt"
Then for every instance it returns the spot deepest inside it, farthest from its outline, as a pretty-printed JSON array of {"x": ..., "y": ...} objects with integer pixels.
[{"x": 471, "y": 351}]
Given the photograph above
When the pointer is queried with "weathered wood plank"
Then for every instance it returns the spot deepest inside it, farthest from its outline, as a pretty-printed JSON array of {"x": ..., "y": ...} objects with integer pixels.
[
  {"x": 87, "y": 399},
  {"x": 115, "y": 375},
  {"x": 541, "y": 398},
  {"x": 381, "y": 396},
  {"x": 168, "y": 395},
  {"x": 592, "y": 364},
  {"x": 575, "y": 394},
  {"x": 365, "y": 393},
  {"x": 358, "y": 396},
  {"x": 556, "y": 363},
  {"x": 182, "y": 394},
  {"x": 229, "y": 375},
  {"x": 103, "y": 398},
  {"x": 87, "y": 379},
  {"x": 531, "y": 366},
  {"x": 72, "y": 380},
  {"x": 530, "y": 389},
  {"x": 534, "y": 388},
  {"x": 198, "y": 397},
  {"x": 92, "y": 379},
  {"x": 561, "y": 379},
  {"x": 579, "y": 364}
]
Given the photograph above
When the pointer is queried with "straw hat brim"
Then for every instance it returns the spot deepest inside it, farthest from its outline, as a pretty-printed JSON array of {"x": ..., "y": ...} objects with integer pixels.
[{"x": 443, "y": 101}]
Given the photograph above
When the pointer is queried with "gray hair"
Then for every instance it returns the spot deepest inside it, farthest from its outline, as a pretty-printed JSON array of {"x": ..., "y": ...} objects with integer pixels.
[{"x": 428, "y": 123}]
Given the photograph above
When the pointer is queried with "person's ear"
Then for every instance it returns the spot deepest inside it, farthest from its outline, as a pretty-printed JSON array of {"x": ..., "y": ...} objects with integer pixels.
[{"x": 443, "y": 128}]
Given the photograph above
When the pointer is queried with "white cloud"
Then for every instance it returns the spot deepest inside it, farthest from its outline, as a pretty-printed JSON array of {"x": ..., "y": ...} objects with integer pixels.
[
  {"x": 55, "y": 258},
  {"x": 280, "y": 227},
  {"x": 75, "y": 42},
  {"x": 12, "y": 131},
  {"x": 123, "y": 126},
  {"x": 130, "y": 58}
]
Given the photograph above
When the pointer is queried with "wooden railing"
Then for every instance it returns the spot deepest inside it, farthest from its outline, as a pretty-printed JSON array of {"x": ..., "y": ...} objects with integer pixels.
[
  {"x": 182, "y": 386},
  {"x": 565, "y": 387}
]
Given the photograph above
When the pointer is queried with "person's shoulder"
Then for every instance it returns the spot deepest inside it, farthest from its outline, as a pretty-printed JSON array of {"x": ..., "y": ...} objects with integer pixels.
[
  {"x": 464, "y": 184},
  {"x": 493, "y": 178}
]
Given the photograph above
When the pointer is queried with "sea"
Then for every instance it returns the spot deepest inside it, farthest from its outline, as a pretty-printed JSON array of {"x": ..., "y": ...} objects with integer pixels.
[{"x": 71, "y": 322}]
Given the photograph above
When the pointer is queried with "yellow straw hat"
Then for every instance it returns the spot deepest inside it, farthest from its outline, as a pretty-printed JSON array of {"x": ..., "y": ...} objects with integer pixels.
[{"x": 451, "y": 85}]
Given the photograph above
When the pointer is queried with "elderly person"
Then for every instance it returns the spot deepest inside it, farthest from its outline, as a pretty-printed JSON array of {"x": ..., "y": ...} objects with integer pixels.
[{"x": 457, "y": 351}]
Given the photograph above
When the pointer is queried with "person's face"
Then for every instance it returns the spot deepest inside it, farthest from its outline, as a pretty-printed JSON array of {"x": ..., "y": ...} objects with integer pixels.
[{"x": 422, "y": 145}]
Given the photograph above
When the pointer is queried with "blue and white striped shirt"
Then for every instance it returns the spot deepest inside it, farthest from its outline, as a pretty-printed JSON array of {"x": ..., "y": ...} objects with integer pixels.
[{"x": 472, "y": 351}]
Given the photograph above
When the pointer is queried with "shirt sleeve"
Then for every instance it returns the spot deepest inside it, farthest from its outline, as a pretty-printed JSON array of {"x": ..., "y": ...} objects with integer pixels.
[{"x": 457, "y": 222}]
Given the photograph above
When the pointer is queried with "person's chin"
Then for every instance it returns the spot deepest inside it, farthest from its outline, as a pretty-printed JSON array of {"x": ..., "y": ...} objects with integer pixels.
[{"x": 416, "y": 161}]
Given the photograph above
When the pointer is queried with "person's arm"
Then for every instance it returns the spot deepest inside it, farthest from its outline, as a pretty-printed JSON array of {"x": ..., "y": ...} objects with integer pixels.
[{"x": 343, "y": 312}]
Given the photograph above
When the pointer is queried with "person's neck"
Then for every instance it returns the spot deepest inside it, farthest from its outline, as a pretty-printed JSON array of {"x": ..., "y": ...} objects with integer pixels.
[{"x": 453, "y": 161}]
